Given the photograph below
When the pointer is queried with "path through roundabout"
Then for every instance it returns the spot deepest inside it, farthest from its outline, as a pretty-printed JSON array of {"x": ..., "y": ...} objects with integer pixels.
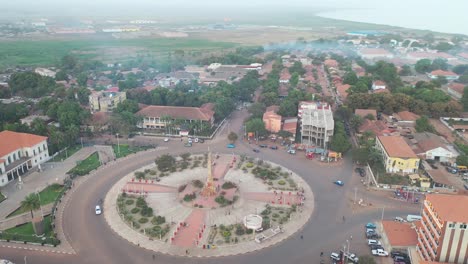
[{"x": 208, "y": 205}]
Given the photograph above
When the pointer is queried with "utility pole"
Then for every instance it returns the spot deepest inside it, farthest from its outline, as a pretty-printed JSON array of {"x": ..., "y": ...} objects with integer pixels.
[
  {"x": 355, "y": 194},
  {"x": 118, "y": 143}
]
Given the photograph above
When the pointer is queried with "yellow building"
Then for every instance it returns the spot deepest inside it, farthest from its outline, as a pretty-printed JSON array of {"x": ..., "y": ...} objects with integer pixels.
[
  {"x": 105, "y": 101},
  {"x": 398, "y": 157}
]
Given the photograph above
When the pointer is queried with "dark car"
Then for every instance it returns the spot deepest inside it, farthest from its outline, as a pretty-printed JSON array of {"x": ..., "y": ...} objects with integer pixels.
[
  {"x": 375, "y": 247},
  {"x": 256, "y": 150},
  {"x": 398, "y": 253},
  {"x": 373, "y": 236},
  {"x": 264, "y": 146},
  {"x": 274, "y": 147}
]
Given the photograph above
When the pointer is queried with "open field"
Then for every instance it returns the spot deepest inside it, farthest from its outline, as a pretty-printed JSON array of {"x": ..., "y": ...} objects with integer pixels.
[
  {"x": 49, "y": 52},
  {"x": 46, "y": 196},
  {"x": 28, "y": 230},
  {"x": 87, "y": 165}
]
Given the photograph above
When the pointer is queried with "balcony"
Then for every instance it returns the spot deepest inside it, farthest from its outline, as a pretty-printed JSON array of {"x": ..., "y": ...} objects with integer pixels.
[
  {"x": 426, "y": 243},
  {"x": 429, "y": 234},
  {"x": 428, "y": 208},
  {"x": 433, "y": 228}
]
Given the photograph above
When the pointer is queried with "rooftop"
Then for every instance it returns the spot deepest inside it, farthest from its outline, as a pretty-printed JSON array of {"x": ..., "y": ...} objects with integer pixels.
[
  {"x": 204, "y": 113},
  {"x": 443, "y": 73},
  {"x": 450, "y": 207},
  {"x": 11, "y": 141},
  {"x": 396, "y": 146},
  {"x": 428, "y": 141},
  {"x": 407, "y": 116},
  {"x": 400, "y": 234}
]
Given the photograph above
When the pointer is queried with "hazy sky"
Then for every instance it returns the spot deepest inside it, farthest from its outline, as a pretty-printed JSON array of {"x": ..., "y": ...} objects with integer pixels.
[{"x": 431, "y": 14}]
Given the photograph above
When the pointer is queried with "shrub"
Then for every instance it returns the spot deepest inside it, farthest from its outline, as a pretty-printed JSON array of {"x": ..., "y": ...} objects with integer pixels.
[
  {"x": 152, "y": 172},
  {"x": 157, "y": 220},
  {"x": 147, "y": 170},
  {"x": 136, "y": 225},
  {"x": 141, "y": 202},
  {"x": 146, "y": 211},
  {"x": 184, "y": 165},
  {"x": 240, "y": 230},
  {"x": 143, "y": 220},
  {"x": 281, "y": 182},
  {"x": 189, "y": 197},
  {"x": 139, "y": 175},
  {"x": 129, "y": 202},
  {"x": 249, "y": 231},
  {"x": 185, "y": 156},
  {"x": 165, "y": 162},
  {"x": 275, "y": 215},
  {"x": 197, "y": 183},
  {"x": 249, "y": 165},
  {"x": 135, "y": 210},
  {"x": 226, "y": 233},
  {"x": 222, "y": 201},
  {"x": 228, "y": 185}
]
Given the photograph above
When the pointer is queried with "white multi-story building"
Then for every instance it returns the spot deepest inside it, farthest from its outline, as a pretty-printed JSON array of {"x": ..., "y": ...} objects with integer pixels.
[
  {"x": 317, "y": 124},
  {"x": 20, "y": 152},
  {"x": 45, "y": 72}
]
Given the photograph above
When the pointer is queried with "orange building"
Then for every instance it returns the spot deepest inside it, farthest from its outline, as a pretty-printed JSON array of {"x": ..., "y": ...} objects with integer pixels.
[
  {"x": 271, "y": 119},
  {"x": 442, "y": 234}
]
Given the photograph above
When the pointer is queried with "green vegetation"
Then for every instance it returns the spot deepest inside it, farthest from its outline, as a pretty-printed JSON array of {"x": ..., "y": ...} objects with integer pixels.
[
  {"x": 46, "y": 196},
  {"x": 66, "y": 153},
  {"x": 26, "y": 233},
  {"x": 28, "y": 229},
  {"x": 339, "y": 142},
  {"x": 126, "y": 150},
  {"x": 87, "y": 165},
  {"x": 423, "y": 125},
  {"x": 50, "y": 52}
]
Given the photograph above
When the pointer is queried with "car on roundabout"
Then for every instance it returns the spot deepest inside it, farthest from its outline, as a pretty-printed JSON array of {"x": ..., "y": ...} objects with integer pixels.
[
  {"x": 274, "y": 147},
  {"x": 188, "y": 145},
  {"x": 339, "y": 183},
  {"x": 231, "y": 146},
  {"x": 98, "y": 210},
  {"x": 256, "y": 150},
  {"x": 166, "y": 140},
  {"x": 371, "y": 226}
]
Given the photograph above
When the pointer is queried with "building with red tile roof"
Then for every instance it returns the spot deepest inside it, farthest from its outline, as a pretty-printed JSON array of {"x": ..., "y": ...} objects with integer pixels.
[
  {"x": 456, "y": 89},
  {"x": 400, "y": 234},
  {"x": 442, "y": 235},
  {"x": 365, "y": 112},
  {"x": 271, "y": 119},
  {"x": 450, "y": 76},
  {"x": 285, "y": 76},
  {"x": 158, "y": 116},
  {"x": 379, "y": 128},
  {"x": 397, "y": 155},
  {"x": 379, "y": 85},
  {"x": 342, "y": 89},
  {"x": 406, "y": 116},
  {"x": 331, "y": 63},
  {"x": 290, "y": 125},
  {"x": 19, "y": 152}
]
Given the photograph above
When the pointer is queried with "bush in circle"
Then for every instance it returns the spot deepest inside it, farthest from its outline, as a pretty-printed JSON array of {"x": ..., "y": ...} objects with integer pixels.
[
  {"x": 135, "y": 210},
  {"x": 143, "y": 220},
  {"x": 146, "y": 211},
  {"x": 129, "y": 202},
  {"x": 281, "y": 182}
]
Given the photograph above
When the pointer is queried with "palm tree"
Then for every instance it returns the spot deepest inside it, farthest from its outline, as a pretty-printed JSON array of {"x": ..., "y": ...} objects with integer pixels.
[{"x": 31, "y": 202}]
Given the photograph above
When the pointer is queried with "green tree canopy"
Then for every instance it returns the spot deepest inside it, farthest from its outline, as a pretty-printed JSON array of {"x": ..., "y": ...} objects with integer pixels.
[
  {"x": 256, "y": 125},
  {"x": 464, "y": 99},
  {"x": 423, "y": 125},
  {"x": 31, "y": 203},
  {"x": 165, "y": 162},
  {"x": 232, "y": 137},
  {"x": 423, "y": 66},
  {"x": 350, "y": 78}
]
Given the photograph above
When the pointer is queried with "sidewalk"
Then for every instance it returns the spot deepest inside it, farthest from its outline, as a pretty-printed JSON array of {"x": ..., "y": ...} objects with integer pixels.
[{"x": 52, "y": 172}]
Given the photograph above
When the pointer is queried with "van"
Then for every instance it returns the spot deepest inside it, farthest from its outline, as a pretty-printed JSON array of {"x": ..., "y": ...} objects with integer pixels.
[
  {"x": 411, "y": 218},
  {"x": 399, "y": 219}
]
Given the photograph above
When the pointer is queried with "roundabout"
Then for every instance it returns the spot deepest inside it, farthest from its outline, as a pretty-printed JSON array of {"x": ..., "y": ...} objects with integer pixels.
[{"x": 208, "y": 205}]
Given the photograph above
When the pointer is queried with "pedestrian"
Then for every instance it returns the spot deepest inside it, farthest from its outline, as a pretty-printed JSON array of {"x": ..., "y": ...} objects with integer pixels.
[
  {"x": 344, "y": 218},
  {"x": 186, "y": 252},
  {"x": 154, "y": 257},
  {"x": 302, "y": 237},
  {"x": 351, "y": 237},
  {"x": 321, "y": 254}
]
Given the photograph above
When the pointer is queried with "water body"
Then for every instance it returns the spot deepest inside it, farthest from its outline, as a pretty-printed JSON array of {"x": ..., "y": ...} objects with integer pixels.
[{"x": 448, "y": 19}]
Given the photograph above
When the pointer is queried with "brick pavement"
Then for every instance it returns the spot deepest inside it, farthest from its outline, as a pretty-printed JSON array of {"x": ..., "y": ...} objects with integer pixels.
[{"x": 190, "y": 230}]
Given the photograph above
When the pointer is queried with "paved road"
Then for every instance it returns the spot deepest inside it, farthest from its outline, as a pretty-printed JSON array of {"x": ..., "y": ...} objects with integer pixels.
[{"x": 94, "y": 241}]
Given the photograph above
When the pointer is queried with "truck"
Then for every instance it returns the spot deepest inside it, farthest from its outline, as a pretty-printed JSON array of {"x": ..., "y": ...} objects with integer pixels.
[
  {"x": 411, "y": 218},
  {"x": 379, "y": 252}
]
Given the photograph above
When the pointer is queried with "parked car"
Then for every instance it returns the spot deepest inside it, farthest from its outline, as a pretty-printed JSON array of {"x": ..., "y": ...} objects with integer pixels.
[
  {"x": 292, "y": 151},
  {"x": 399, "y": 219},
  {"x": 201, "y": 140},
  {"x": 274, "y": 147},
  {"x": 395, "y": 253},
  {"x": 400, "y": 258},
  {"x": 371, "y": 226},
  {"x": 372, "y": 247},
  {"x": 166, "y": 140},
  {"x": 353, "y": 258},
  {"x": 335, "y": 256},
  {"x": 339, "y": 183},
  {"x": 98, "y": 210},
  {"x": 373, "y": 236},
  {"x": 188, "y": 145},
  {"x": 373, "y": 242},
  {"x": 263, "y": 146},
  {"x": 231, "y": 146},
  {"x": 256, "y": 150},
  {"x": 380, "y": 253}
]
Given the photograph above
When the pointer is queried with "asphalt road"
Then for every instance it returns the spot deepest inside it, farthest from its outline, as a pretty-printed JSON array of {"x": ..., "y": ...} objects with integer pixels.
[{"x": 95, "y": 242}]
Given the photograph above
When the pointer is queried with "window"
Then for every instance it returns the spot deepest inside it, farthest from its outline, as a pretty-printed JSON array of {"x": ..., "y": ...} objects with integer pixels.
[
  {"x": 451, "y": 225},
  {"x": 463, "y": 226}
]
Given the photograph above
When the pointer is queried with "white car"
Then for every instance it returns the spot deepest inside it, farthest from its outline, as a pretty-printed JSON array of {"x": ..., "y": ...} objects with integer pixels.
[
  {"x": 373, "y": 242},
  {"x": 380, "y": 252},
  {"x": 98, "y": 210},
  {"x": 353, "y": 258},
  {"x": 166, "y": 140},
  {"x": 335, "y": 256}
]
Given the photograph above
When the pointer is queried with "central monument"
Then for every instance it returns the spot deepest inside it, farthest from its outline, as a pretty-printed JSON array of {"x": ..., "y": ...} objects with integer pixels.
[{"x": 209, "y": 189}]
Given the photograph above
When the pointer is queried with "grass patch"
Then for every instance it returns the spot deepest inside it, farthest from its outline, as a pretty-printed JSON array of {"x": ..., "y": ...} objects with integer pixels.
[
  {"x": 2, "y": 197},
  {"x": 126, "y": 150},
  {"x": 47, "y": 196},
  {"x": 66, "y": 153},
  {"x": 50, "y": 52},
  {"x": 28, "y": 230},
  {"x": 87, "y": 165}
]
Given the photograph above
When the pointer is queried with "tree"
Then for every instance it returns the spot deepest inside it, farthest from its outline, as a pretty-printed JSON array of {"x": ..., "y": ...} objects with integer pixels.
[
  {"x": 355, "y": 122},
  {"x": 406, "y": 70},
  {"x": 464, "y": 99},
  {"x": 350, "y": 78},
  {"x": 69, "y": 62},
  {"x": 232, "y": 137},
  {"x": 257, "y": 126},
  {"x": 367, "y": 260},
  {"x": 82, "y": 79},
  {"x": 463, "y": 79},
  {"x": 61, "y": 76},
  {"x": 287, "y": 108},
  {"x": 31, "y": 203},
  {"x": 360, "y": 155},
  {"x": 256, "y": 110},
  {"x": 339, "y": 142},
  {"x": 127, "y": 105},
  {"x": 294, "y": 80},
  {"x": 462, "y": 160},
  {"x": 284, "y": 134},
  {"x": 165, "y": 162},
  {"x": 423, "y": 125},
  {"x": 423, "y": 66}
]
